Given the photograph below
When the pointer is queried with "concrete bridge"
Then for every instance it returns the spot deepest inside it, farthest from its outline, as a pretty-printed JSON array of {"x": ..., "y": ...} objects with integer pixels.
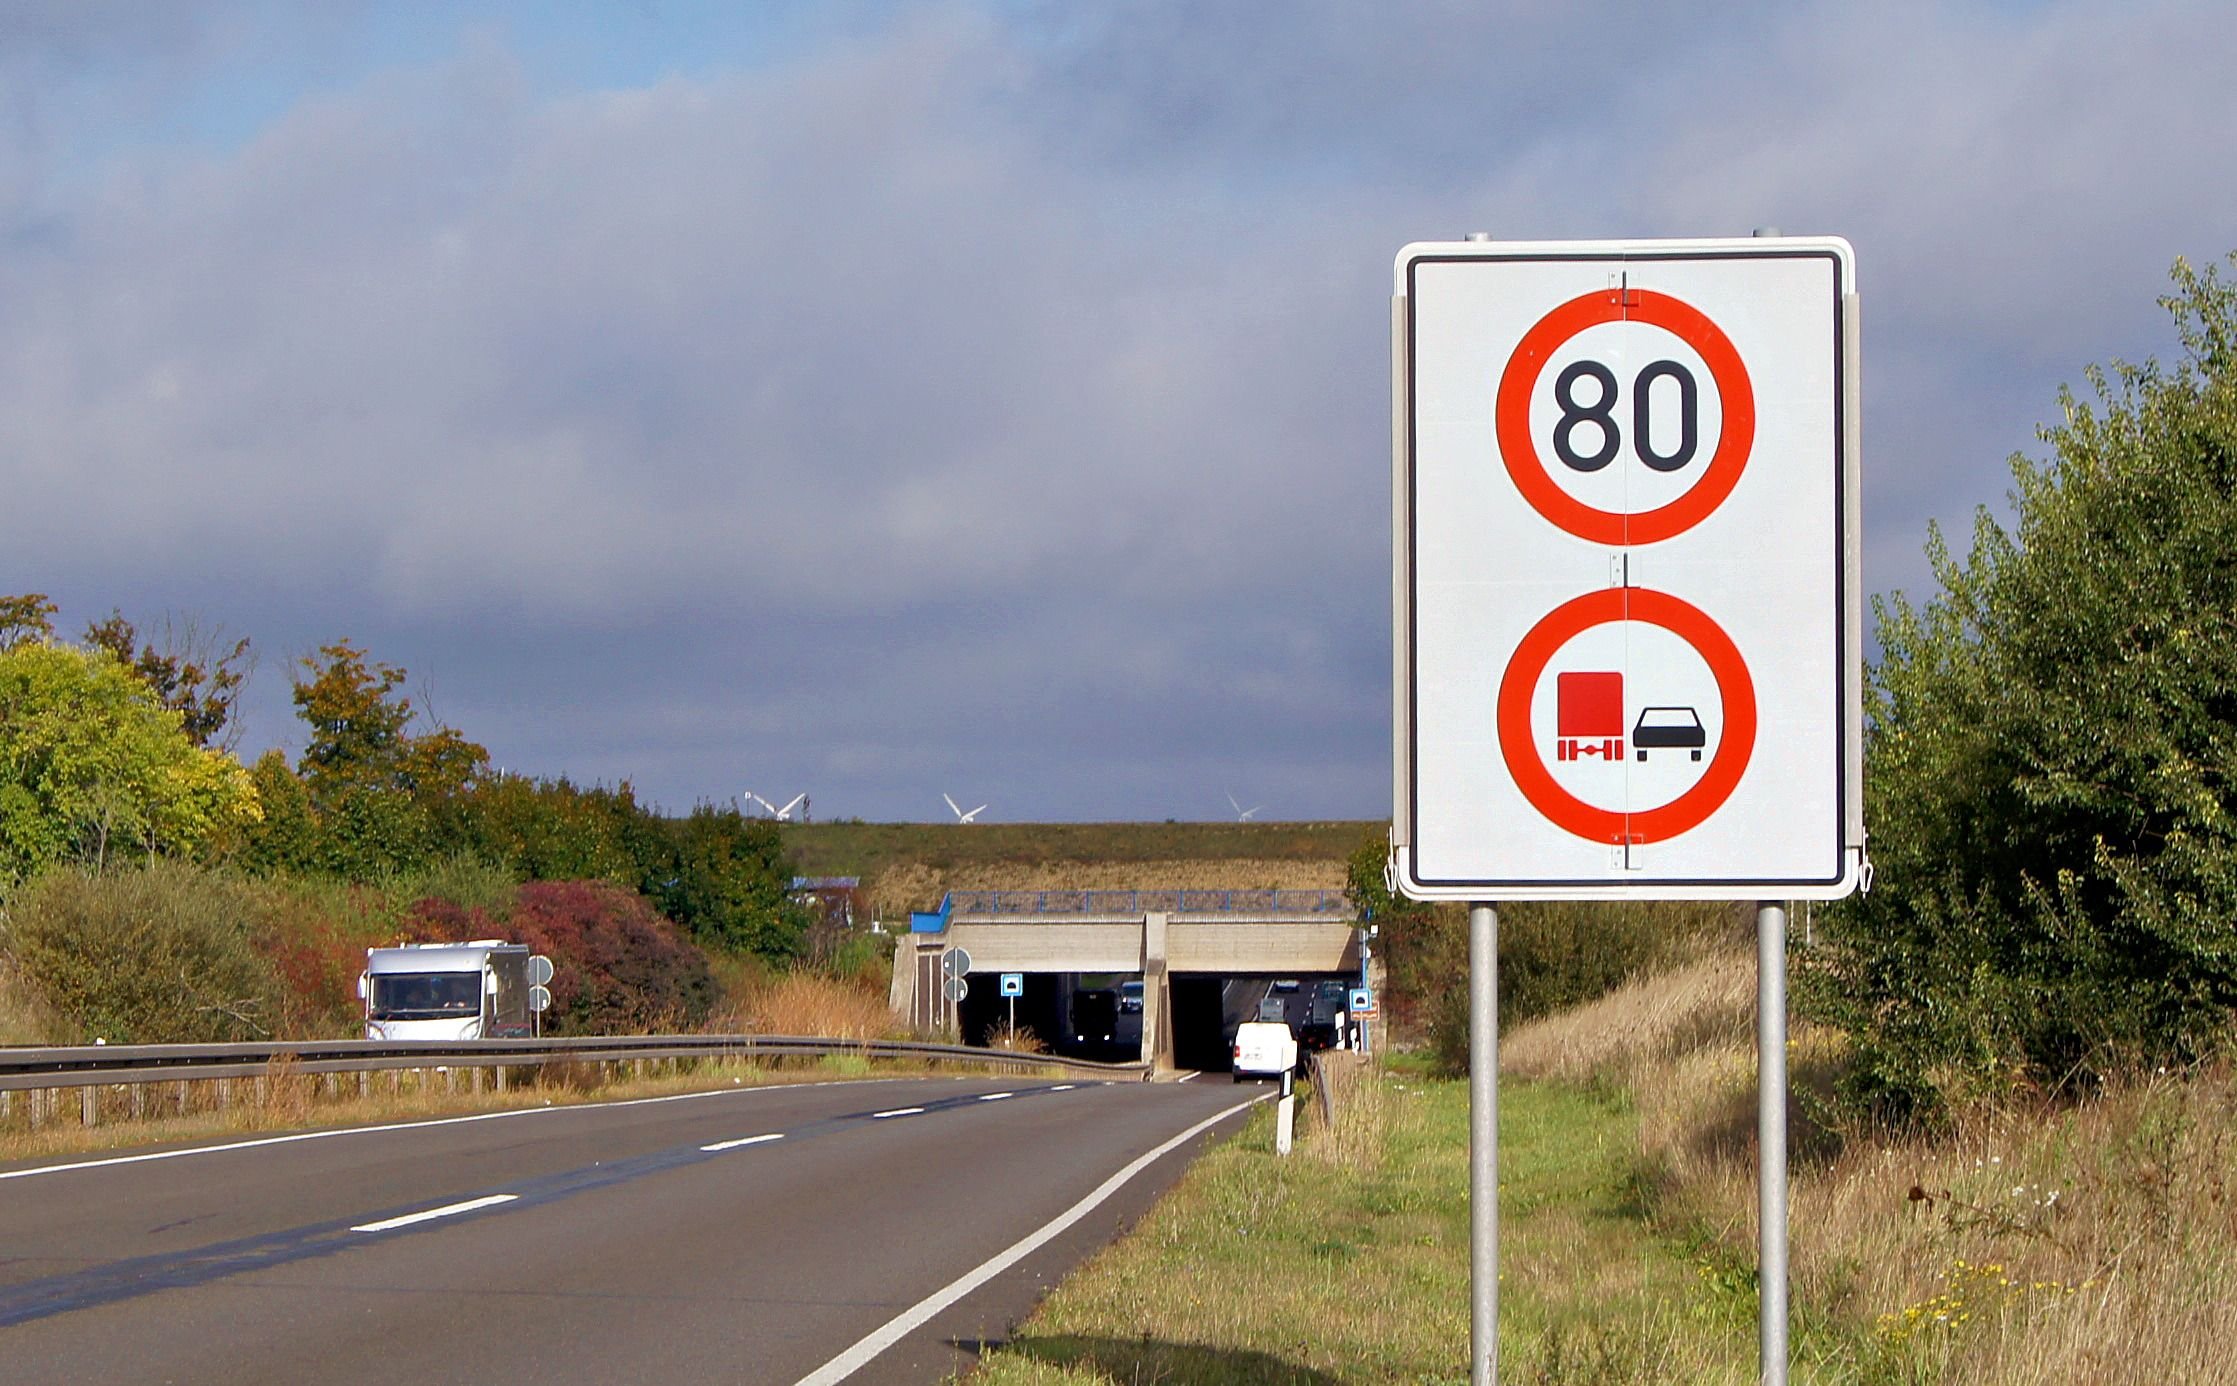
[{"x": 1182, "y": 939}]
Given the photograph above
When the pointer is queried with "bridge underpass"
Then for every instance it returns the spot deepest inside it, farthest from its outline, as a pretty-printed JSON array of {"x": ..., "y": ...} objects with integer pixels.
[{"x": 1203, "y": 959}]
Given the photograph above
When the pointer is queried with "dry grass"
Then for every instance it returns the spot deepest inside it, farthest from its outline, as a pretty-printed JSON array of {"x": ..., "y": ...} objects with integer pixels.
[
  {"x": 2031, "y": 1243},
  {"x": 24, "y": 1017},
  {"x": 1353, "y": 1134},
  {"x": 805, "y": 1003}
]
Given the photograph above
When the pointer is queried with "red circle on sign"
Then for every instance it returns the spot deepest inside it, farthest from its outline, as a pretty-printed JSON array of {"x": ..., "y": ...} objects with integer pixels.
[
  {"x": 1528, "y": 664},
  {"x": 1735, "y": 440}
]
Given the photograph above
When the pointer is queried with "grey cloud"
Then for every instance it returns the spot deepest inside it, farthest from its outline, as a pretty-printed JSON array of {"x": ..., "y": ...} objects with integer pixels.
[{"x": 978, "y": 400}]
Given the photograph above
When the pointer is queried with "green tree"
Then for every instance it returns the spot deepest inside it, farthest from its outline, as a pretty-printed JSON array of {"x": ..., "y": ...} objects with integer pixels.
[
  {"x": 25, "y": 619},
  {"x": 91, "y": 763},
  {"x": 379, "y": 796},
  {"x": 725, "y": 877},
  {"x": 2052, "y": 759}
]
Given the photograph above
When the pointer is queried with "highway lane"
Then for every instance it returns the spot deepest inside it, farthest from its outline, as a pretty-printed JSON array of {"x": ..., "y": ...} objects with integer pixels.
[{"x": 748, "y": 1235}]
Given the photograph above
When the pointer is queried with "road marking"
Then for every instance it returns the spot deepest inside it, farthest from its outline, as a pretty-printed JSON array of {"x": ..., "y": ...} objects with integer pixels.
[
  {"x": 855, "y": 1358},
  {"x": 749, "y": 1140},
  {"x": 996, "y": 1096},
  {"x": 1063, "y": 1087},
  {"x": 447, "y": 1211},
  {"x": 1189, "y": 1077},
  {"x": 898, "y": 1111},
  {"x": 293, "y": 1137}
]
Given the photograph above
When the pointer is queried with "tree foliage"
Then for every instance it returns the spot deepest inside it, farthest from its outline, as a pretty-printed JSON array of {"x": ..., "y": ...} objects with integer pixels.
[
  {"x": 198, "y": 678},
  {"x": 26, "y": 619},
  {"x": 2052, "y": 759},
  {"x": 91, "y": 764}
]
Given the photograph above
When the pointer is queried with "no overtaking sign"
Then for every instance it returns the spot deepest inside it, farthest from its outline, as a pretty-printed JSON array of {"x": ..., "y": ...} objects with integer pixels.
[{"x": 1626, "y": 587}]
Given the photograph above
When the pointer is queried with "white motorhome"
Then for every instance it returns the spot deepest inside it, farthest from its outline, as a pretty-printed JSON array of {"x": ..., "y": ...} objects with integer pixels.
[{"x": 486, "y": 989}]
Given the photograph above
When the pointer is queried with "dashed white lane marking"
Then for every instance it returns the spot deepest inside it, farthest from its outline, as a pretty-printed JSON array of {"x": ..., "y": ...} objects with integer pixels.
[
  {"x": 446, "y": 1211},
  {"x": 1063, "y": 1087},
  {"x": 855, "y": 1358},
  {"x": 1189, "y": 1077},
  {"x": 341, "y": 1131},
  {"x": 898, "y": 1111},
  {"x": 747, "y": 1140},
  {"x": 996, "y": 1096}
]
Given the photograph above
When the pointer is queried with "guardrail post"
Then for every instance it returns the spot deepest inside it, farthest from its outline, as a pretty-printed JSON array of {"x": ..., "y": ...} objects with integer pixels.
[
  {"x": 139, "y": 1101},
  {"x": 89, "y": 1105},
  {"x": 477, "y": 1080},
  {"x": 500, "y": 1077},
  {"x": 7, "y": 1106}
]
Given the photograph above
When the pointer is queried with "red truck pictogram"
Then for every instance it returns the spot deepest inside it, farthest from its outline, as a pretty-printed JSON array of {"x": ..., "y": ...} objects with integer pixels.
[{"x": 1588, "y": 716}]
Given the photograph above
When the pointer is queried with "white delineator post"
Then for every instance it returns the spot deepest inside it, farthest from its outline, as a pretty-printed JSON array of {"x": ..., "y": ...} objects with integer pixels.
[
  {"x": 1483, "y": 1143},
  {"x": 1770, "y": 1123}
]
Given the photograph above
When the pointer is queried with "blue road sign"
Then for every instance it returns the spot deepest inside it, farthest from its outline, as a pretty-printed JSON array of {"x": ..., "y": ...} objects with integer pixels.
[
  {"x": 1013, "y": 984},
  {"x": 1362, "y": 1000}
]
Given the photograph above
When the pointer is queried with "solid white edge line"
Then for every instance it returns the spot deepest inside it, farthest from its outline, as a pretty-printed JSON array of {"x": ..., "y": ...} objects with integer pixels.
[
  {"x": 447, "y": 1211},
  {"x": 749, "y": 1140},
  {"x": 995, "y": 1096},
  {"x": 855, "y": 1358},
  {"x": 293, "y": 1137},
  {"x": 898, "y": 1111}
]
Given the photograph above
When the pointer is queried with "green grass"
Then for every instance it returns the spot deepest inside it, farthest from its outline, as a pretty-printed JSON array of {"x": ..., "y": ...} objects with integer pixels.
[
  {"x": 1306, "y": 1271},
  {"x": 862, "y": 849}
]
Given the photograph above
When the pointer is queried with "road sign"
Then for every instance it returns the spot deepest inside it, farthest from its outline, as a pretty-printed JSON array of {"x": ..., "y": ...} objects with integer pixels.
[
  {"x": 539, "y": 999},
  {"x": 1013, "y": 984},
  {"x": 1628, "y": 606},
  {"x": 1362, "y": 1001},
  {"x": 958, "y": 988},
  {"x": 539, "y": 970},
  {"x": 955, "y": 962}
]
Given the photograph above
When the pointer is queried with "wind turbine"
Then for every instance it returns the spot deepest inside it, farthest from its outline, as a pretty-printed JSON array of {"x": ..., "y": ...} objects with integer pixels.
[
  {"x": 1243, "y": 815},
  {"x": 782, "y": 815},
  {"x": 957, "y": 809}
]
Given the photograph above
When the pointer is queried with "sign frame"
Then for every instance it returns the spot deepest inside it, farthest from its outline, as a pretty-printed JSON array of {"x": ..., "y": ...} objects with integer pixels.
[
  {"x": 1012, "y": 984},
  {"x": 1844, "y": 832}
]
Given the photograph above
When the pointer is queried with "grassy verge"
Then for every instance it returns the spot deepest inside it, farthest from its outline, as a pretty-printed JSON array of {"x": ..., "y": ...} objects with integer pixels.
[
  {"x": 2031, "y": 1242},
  {"x": 1349, "y": 1261}
]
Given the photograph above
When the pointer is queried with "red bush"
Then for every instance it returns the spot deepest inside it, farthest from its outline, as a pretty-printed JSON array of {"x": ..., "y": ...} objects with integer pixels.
[{"x": 618, "y": 968}]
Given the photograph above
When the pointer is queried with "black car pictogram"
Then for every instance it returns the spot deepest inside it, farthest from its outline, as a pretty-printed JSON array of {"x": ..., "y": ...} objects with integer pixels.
[{"x": 1668, "y": 729}]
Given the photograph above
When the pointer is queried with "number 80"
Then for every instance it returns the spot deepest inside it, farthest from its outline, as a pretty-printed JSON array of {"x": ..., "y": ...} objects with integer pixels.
[{"x": 1601, "y": 414}]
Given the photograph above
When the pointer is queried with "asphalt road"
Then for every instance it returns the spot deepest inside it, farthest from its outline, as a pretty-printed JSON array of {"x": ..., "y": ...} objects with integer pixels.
[{"x": 748, "y": 1235}]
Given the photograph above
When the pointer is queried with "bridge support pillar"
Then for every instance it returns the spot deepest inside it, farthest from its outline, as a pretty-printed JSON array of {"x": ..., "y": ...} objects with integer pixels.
[{"x": 1157, "y": 995}]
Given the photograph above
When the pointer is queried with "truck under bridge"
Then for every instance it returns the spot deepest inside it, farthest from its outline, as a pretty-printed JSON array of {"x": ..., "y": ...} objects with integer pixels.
[{"x": 1197, "y": 953}]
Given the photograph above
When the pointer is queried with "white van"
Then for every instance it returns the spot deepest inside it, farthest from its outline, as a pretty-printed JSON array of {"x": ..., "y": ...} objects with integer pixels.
[{"x": 1264, "y": 1049}]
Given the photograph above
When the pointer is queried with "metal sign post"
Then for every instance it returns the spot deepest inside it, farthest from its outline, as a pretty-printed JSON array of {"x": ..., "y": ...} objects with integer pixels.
[
  {"x": 1770, "y": 1123},
  {"x": 1483, "y": 1142},
  {"x": 1627, "y": 614}
]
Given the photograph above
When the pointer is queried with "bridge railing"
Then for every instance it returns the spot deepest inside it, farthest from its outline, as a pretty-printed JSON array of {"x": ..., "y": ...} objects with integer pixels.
[{"x": 1137, "y": 902}]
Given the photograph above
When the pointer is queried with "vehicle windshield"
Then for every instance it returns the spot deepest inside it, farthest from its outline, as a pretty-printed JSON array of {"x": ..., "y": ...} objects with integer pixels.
[{"x": 425, "y": 995}]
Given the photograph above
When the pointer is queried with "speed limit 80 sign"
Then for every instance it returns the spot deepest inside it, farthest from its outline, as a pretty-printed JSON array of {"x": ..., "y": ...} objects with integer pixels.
[{"x": 1627, "y": 597}]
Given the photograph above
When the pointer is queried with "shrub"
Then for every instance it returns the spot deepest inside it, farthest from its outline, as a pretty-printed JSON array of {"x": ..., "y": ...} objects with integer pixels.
[
  {"x": 161, "y": 953},
  {"x": 2052, "y": 761},
  {"x": 619, "y": 968}
]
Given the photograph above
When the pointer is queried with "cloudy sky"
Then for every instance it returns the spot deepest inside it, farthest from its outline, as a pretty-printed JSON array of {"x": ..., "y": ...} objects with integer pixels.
[{"x": 877, "y": 400}]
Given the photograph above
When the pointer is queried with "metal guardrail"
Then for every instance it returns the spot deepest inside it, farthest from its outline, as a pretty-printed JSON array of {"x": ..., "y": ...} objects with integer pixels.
[
  {"x": 97, "y": 1065},
  {"x": 1139, "y": 902}
]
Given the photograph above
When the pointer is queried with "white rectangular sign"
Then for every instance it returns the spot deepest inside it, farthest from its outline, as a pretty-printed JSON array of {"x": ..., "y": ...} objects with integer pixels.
[{"x": 1628, "y": 613}]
